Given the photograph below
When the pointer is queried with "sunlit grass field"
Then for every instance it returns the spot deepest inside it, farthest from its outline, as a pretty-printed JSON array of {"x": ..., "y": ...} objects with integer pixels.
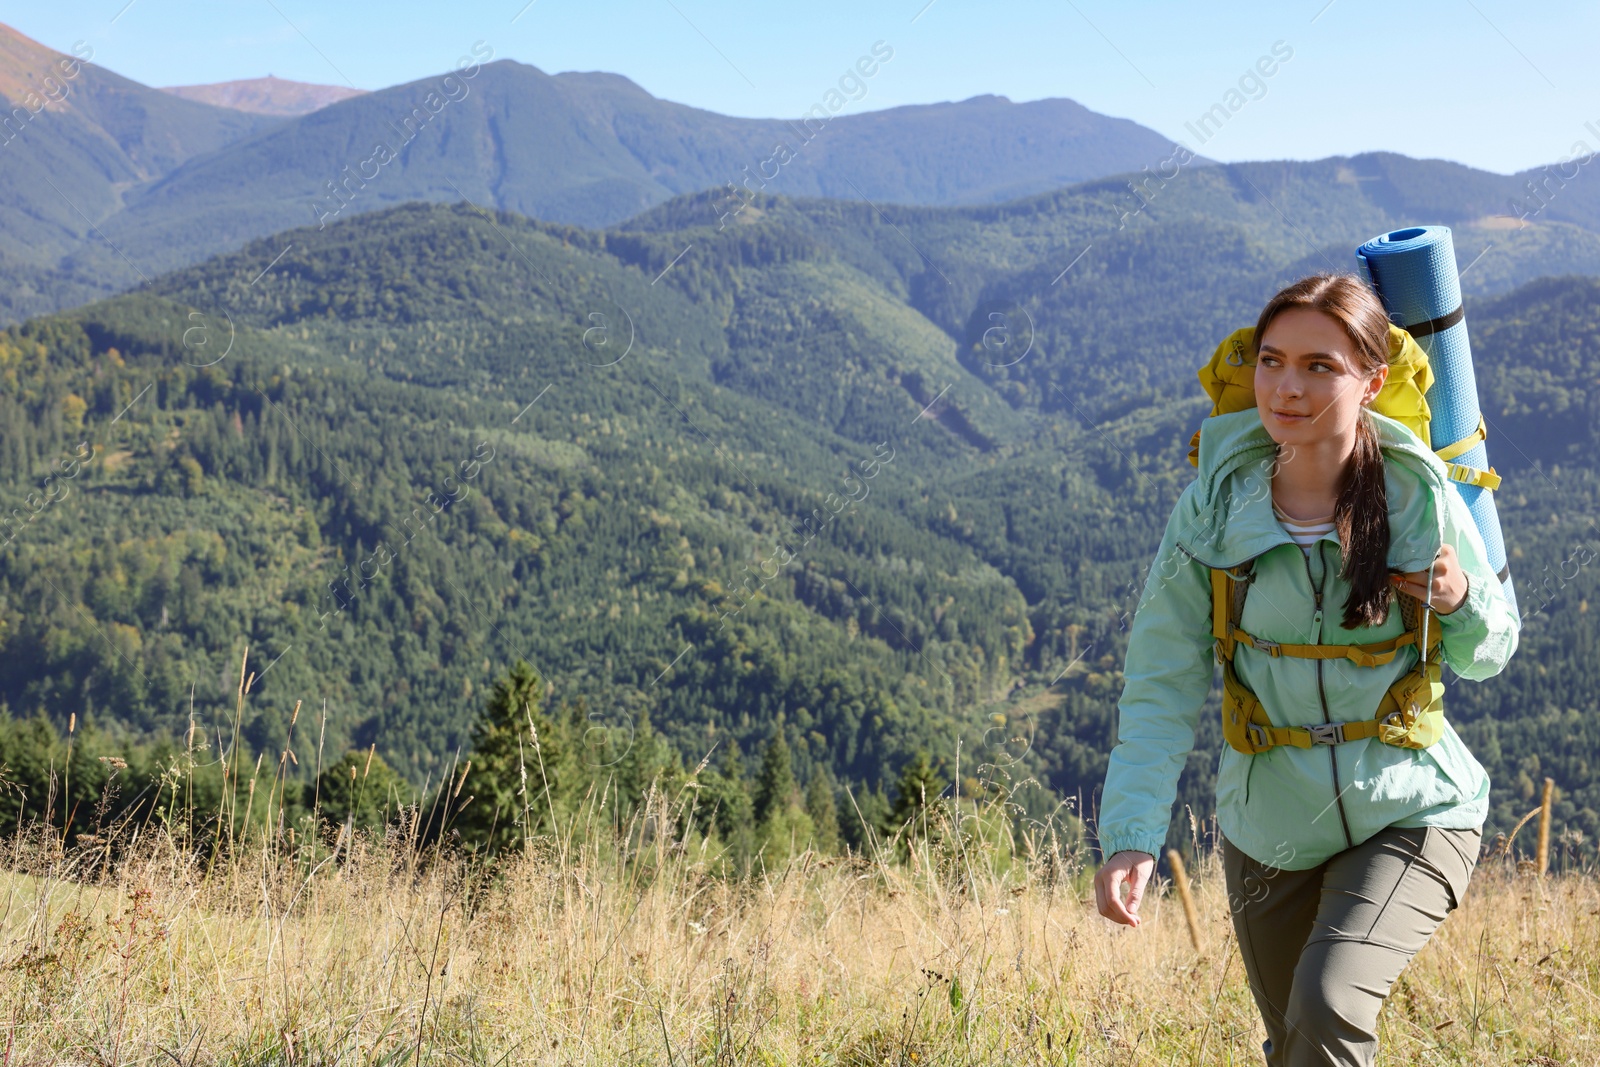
[{"x": 636, "y": 947}]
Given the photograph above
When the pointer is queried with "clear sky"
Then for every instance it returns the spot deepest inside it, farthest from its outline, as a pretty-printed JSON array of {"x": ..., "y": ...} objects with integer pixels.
[{"x": 1495, "y": 84}]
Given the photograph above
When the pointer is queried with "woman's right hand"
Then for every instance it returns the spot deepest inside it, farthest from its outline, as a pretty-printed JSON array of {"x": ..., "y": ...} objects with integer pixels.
[{"x": 1130, "y": 868}]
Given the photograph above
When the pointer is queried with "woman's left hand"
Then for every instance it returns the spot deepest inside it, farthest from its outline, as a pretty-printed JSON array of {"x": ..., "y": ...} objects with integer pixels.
[{"x": 1449, "y": 589}]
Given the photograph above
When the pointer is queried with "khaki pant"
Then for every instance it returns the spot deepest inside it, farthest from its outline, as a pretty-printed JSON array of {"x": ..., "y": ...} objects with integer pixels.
[{"x": 1323, "y": 946}]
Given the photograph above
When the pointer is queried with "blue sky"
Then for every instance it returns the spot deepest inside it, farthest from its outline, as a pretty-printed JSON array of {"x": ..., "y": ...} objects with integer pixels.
[{"x": 1494, "y": 84}]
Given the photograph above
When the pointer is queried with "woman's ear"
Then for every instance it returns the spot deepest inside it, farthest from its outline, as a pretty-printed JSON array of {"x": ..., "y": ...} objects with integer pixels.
[{"x": 1375, "y": 383}]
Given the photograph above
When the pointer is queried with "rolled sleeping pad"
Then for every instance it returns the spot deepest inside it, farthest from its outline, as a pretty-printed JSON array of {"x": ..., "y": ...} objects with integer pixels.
[{"x": 1413, "y": 271}]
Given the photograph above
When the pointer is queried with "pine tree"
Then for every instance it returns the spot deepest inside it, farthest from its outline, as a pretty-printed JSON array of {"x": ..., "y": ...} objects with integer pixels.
[
  {"x": 823, "y": 811},
  {"x": 917, "y": 802},
  {"x": 866, "y": 822},
  {"x": 775, "y": 785},
  {"x": 782, "y": 825},
  {"x": 505, "y": 780},
  {"x": 646, "y": 759},
  {"x": 729, "y": 796},
  {"x": 581, "y": 758},
  {"x": 361, "y": 788}
]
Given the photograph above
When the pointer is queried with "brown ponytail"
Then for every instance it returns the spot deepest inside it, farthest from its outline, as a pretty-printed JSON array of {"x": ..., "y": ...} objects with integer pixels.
[{"x": 1361, "y": 515}]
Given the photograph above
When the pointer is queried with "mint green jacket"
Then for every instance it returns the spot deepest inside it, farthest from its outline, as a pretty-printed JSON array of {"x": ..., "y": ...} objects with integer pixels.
[{"x": 1288, "y": 807}]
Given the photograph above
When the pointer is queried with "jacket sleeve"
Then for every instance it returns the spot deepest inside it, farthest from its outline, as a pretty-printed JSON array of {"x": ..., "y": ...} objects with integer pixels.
[
  {"x": 1167, "y": 677},
  {"x": 1481, "y": 634}
]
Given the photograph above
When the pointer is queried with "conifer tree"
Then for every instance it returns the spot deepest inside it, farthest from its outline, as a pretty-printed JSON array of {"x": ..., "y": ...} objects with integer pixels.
[
  {"x": 728, "y": 796},
  {"x": 645, "y": 759},
  {"x": 775, "y": 785},
  {"x": 866, "y": 823},
  {"x": 360, "y": 788},
  {"x": 824, "y": 812},
  {"x": 505, "y": 781},
  {"x": 782, "y": 826},
  {"x": 918, "y": 805}
]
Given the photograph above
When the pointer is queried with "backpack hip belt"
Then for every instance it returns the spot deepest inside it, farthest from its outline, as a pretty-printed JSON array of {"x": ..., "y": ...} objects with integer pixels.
[{"x": 1410, "y": 714}]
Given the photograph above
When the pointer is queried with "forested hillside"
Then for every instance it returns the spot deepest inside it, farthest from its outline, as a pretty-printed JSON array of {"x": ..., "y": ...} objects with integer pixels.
[
  {"x": 782, "y": 477},
  {"x": 609, "y": 510}
]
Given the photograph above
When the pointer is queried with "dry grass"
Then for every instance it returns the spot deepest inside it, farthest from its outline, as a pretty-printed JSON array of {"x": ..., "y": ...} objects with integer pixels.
[{"x": 606, "y": 955}]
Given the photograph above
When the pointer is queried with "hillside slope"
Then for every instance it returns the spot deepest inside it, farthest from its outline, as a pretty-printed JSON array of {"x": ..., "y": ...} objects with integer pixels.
[
  {"x": 737, "y": 481},
  {"x": 617, "y": 509},
  {"x": 77, "y": 140},
  {"x": 1090, "y": 300}
]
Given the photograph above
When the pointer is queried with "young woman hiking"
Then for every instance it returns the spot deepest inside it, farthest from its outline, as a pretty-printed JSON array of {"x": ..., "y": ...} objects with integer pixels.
[{"x": 1343, "y": 855}]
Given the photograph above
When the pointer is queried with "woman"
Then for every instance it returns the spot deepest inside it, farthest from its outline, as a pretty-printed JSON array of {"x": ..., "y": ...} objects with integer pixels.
[{"x": 1340, "y": 858}]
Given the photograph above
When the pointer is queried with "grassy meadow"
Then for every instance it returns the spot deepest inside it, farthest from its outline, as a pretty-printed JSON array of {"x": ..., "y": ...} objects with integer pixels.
[{"x": 630, "y": 943}]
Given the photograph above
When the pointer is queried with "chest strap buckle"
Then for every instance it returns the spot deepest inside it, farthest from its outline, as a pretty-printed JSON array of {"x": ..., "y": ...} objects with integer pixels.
[{"x": 1326, "y": 733}]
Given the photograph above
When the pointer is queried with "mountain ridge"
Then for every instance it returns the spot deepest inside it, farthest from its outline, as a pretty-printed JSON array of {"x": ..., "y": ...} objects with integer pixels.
[
  {"x": 589, "y": 148},
  {"x": 269, "y": 95}
]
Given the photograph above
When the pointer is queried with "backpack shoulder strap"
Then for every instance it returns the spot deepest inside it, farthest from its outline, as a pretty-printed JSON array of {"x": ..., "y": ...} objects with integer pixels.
[
  {"x": 1414, "y": 615},
  {"x": 1229, "y": 585}
]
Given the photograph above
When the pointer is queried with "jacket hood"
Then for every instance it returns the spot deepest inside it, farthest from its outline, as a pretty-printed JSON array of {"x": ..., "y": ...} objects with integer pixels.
[{"x": 1233, "y": 494}]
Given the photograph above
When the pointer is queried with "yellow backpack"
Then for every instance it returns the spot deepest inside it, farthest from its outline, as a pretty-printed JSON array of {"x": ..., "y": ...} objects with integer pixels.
[
  {"x": 1411, "y": 713},
  {"x": 1229, "y": 379}
]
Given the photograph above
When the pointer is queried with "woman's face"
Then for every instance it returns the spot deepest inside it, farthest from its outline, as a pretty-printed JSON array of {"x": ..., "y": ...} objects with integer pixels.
[{"x": 1308, "y": 386}]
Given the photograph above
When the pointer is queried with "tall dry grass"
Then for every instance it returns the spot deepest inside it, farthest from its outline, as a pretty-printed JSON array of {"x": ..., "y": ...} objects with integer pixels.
[{"x": 632, "y": 948}]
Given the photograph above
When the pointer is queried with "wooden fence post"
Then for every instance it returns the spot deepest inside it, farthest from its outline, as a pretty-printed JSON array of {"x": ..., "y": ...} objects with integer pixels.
[
  {"x": 1181, "y": 880},
  {"x": 1543, "y": 856}
]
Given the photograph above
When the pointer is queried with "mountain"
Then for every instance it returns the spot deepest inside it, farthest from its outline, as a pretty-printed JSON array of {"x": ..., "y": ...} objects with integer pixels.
[
  {"x": 585, "y": 148},
  {"x": 632, "y": 488},
  {"x": 731, "y": 481},
  {"x": 147, "y": 182},
  {"x": 1091, "y": 301},
  {"x": 265, "y": 96},
  {"x": 594, "y": 149},
  {"x": 76, "y": 141},
  {"x": 87, "y": 135}
]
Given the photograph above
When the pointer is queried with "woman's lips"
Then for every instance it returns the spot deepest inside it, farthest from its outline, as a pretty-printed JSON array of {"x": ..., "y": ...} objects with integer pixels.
[{"x": 1283, "y": 416}]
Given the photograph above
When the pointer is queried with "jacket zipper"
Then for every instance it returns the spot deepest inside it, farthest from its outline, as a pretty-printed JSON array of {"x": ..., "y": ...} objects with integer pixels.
[{"x": 1322, "y": 696}]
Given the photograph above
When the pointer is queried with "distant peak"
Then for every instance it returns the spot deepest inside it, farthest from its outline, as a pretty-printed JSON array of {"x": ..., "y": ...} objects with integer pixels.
[
  {"x": 25, "y": 64},
  {"x": 270, "y": 95},
  {"x": 602, "y": 77},
  {"x": 13, "y": 41}
]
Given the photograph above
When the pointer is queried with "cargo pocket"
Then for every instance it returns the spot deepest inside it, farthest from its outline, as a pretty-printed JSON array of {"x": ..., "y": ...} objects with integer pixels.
[{"x": 1454, "y": 853}]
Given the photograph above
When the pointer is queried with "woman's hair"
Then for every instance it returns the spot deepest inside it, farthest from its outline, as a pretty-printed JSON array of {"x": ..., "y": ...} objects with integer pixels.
[{"x": 1361, "y": 514}]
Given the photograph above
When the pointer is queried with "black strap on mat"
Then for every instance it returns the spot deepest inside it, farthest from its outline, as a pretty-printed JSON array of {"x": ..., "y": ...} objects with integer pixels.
[{"x": 1438, "y": 325}]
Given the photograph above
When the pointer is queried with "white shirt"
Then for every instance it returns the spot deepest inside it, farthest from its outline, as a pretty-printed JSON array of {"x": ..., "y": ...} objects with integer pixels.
[{"x": 1305, "y": 532}]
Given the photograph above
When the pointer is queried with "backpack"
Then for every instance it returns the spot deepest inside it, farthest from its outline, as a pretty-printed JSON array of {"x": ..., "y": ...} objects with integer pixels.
[
  {"x": 1230, "y": 375},
  {"x": 1411, "y": 713}
]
